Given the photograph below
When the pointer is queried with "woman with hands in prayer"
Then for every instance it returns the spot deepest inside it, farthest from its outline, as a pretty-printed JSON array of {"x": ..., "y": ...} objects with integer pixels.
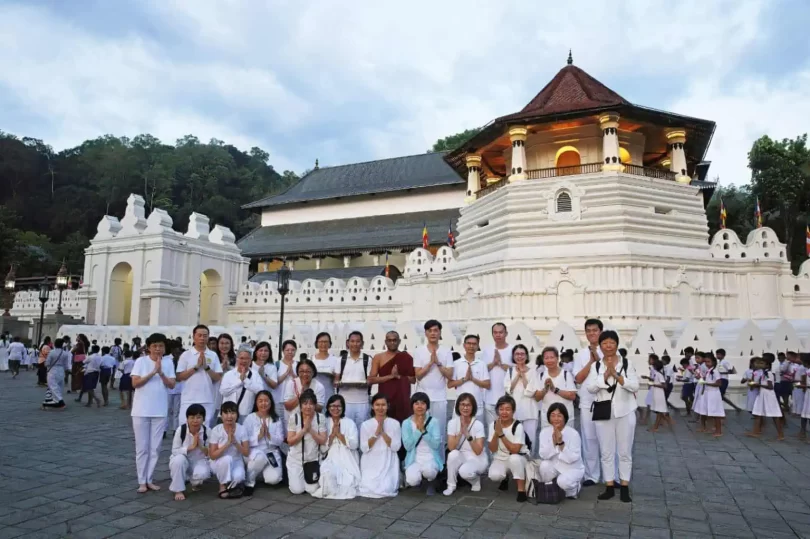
[
  {"x": 229, "y": 444},
  {"x": 519, "y": 384},
  {"x": 465, "y": 441},
  {"x": 560, "y": 452},
  {"x": 266, "y": 436},
  {"x": 340, "y": 472},
  {"x": 306, "y": 380},
  {"x": 380, "y": 439},
  {"x": 306, "y": 432},
  {"x": 421, "y": 436}
]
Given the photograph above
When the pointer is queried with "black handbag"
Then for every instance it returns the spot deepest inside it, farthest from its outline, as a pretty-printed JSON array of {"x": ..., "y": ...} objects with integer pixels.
[
  {"x": 312, "y": 470},
  {"x": 600, "y": 410},
  {"x": 547, "y": 493}
]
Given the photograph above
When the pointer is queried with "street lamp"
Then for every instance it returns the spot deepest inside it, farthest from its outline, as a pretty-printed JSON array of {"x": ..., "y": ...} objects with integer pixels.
[
  {"x": 283, "y": 282},
  {"x": 44, "y": 294},
  {"x": 11, "y": 279},
  {"x": 61, "y": 284}
]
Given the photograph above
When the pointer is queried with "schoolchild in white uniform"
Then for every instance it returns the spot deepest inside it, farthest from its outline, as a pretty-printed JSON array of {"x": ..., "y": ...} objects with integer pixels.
[
  {"x": 657, "y": 388},
  {"x": 199, "y": 368},
  {"x": 328, "y": 365},
  {"x": 241, "y": 384},
  {"x": 108, "y": 367},
  {"x": 553, "y": 385},
  {"x": 767, "y": 405},
  {"x": 465, "y": 441},
  {"x": 806, "y": 408},
  {"x": 699, "y": 371},
  {"x": 471, "y": 375},
  {"x": 583, "y": 362},
  {"x": 711, "y": 402},
  {"x": 125, "y": 388},
  {"x": 16, "y": 356},
  {"x": 189, "y": 460},
  {"x": 687, "y": 376},
  {"x": 560, "y": 452},
  {"x": 751, "y": 378},
  {"x": 799, "y": 371},
  {"x": 306, "y": 432},
  {"x": 92, "y": 371},
  {"x": 724, "y": 367},
  {"x": 433, "y": 365},
  {"x": 669, "y": 375},
  {"x": 520, "y": 385},
  {"x": 352, "y": 380},
  {"x": 644, "y": 413},
  {"x": 507, "y": 443},
  {"x": 229, "y": 445},
  {"x": 152, "y": 377},
  {"x": 266, "y": 438},
  {"x": 498, "y": 359}
]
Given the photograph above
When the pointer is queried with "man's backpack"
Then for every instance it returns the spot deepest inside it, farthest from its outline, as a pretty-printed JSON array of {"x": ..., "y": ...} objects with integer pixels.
[
  {"x": 344, "y": 357},
  {"x": 184, "y": 430}
]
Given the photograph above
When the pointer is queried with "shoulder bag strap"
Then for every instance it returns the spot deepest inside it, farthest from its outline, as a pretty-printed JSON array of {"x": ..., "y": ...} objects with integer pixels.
[
  {"x": 429, "y": 419},
  {"x": 242, "y": 394}
]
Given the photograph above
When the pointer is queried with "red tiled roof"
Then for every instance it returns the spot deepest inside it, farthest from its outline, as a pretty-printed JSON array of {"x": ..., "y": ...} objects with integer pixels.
[{"x": 570, "y": 90}]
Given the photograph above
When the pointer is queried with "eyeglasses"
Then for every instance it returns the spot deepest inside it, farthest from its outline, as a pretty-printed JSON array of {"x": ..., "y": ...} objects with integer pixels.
[
  {"x": 335, "y": 407},
  {"x": 304, "y": 371}
]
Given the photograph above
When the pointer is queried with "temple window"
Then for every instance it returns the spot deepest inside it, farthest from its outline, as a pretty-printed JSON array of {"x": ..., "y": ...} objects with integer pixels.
[{"x": 564, "y": 202}]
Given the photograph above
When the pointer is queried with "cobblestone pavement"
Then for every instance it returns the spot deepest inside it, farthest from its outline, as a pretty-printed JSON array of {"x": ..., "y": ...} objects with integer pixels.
[{"x": 72, "y": 474}]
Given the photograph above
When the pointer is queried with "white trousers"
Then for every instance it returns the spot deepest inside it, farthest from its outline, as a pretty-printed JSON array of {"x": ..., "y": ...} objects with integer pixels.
[
  {"x": 148, "y": 437},
  {"x": 570, "y": 482},
  {"x": 295, "y": 475},
  {"x": 515, "y": 464},
  {"x": 173, "y": 418},
  {"x": 490, "y": 415},
  {"x": 438, "y": 409},
  {"x": 590, "y": 445},
  {"x": 258, "y": 465},
  {"x": 181, "y": 468},
  {"x": 210, "y": 420},
  {"x": 358, "y": 412},
  {"x": 530, "y": 428},
  {"x": 616, "y": 435},
  {"x": 229, "y": 470},
  {"x": 416, "y": 471},
  {"x": 469, "y": 467}
]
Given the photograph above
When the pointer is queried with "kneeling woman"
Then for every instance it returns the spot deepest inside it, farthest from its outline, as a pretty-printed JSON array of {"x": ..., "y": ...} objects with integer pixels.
[
  {"x": 422, "y": 438},
  {"x": 465, "y": 441},
  {"x": 266, "y": 435},
  {"x": 507, "y": 443},
  {"x": 380, "y": 439},
  {"x": 306, "y": 432},
  {"x": 340, "y": 472},
  {"x": 560, "y": 452}
]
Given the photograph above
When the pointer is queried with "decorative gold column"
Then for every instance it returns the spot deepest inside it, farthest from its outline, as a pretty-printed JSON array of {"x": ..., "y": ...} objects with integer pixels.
[
  {"x": 610, "y": 142},
  {"x": 676, "y": 139},
  {"x": 473, "y": 177},
  {"x": 518, "y": 137}
]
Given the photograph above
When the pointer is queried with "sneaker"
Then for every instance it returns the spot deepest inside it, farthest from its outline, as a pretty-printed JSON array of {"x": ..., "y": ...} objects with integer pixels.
[
  {"x": 476, "y": 486},
  {"x": 449, "y": 491}
]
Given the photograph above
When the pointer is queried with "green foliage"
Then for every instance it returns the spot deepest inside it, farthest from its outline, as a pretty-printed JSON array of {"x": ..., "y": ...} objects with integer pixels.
[
  {"x": 448, "y": 144},
  {"x": 50, "y": 203},
  {"x": 739, "y": 209}
]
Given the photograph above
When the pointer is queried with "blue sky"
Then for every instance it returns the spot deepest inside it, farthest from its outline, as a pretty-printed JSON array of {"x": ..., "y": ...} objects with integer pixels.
[{"x": 353, "y": 81}]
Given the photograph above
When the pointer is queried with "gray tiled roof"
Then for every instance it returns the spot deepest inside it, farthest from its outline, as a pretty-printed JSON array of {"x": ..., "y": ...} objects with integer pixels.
[
  {"x": 347, "y": 236},
  {"x": 385, "y": 175},
  {"x": 367, "y": 272}
]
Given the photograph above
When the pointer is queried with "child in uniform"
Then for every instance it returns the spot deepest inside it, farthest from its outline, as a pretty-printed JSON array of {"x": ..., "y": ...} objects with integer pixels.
[
  {"x": 657, "y": 388},
  {"x": 766, "y": 405},
  {"x": 751, "y": 377},
  {"x": 92, "y": 370},
  {"x": 688, "y": 390},
  {"x": 648, "y": 402},
  {"x": 711, "y": 402},
  {"x": 799, "y": 372},
  {"x": 125, "y": 386},
  {"x": 190, "y": 453}
]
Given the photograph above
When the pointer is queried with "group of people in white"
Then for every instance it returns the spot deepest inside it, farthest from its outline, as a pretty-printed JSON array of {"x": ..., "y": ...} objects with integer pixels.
[{"x": 316, "y": 424}]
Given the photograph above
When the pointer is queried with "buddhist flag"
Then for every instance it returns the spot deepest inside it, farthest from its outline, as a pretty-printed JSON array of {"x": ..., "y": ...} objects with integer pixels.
[
  {"x": 425, "y": 241},
  {"x": 387, "y": 267},
  {"x": 723, "y": 214},
  {"x": 807, "y": 229},
  {"x": 451, "y": 239},
  {"x": 758, "y": 215}
]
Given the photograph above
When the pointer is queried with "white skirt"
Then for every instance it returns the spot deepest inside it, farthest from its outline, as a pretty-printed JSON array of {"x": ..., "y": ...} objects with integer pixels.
[
  {"x": 648, "y": 402},
  {"x": 797, "y": 403},
  {"x": 711, "y": 403},
  {"x": 766, "y": 404},
  {"x": 753, "y": 393},
  {"x": 659, "y": 401},
  {"x": 806, "y": 407}
]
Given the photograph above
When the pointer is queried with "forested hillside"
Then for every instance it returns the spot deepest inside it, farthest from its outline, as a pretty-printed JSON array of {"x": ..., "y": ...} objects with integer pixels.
[{"x": 51, "y": 202}]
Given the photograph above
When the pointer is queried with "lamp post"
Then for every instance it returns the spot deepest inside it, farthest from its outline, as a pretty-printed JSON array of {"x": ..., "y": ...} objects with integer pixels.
[
  {"x": 283, "y": 282},
  {"x": 61, "y": 284},
  {"x": 44, "y": 294},
  {"x": 11, "y": 279}
]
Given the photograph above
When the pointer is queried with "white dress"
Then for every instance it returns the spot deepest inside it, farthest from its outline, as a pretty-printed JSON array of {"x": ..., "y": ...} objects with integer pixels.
[
  {"x": 340, "y": 472},
  {"x": 648, "y": 402},
  {"x": 797, "y": 403},
  {"x": 3, "y": 355},
  {"x": 379, "y": 465},
  {"x": 658, "y": 402},
  {"x": 711, "y": 402},
  {"x": 767, "y": 404},
  {"x": 806, "y": 408},
  {"x": 752, "y": 376}
]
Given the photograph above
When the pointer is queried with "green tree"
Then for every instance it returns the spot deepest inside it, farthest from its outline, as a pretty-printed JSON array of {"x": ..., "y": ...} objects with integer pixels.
[
  {"x": 450, "y": 143},
  {"x": 739, "y": 205},
  {"x": 779, "y": 177}
]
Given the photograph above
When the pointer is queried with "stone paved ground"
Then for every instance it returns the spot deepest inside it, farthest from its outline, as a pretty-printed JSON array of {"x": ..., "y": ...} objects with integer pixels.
[{"x": 71, "y": 474}]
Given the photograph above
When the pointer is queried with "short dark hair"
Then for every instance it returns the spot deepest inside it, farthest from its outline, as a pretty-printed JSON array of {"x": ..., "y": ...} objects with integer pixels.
[
  {"x": 623, "y": 352},
  {"x": 244, "y": 338},
  {"x": 375, "y": 398},
  {"x": 420, "y": 396},
  {"x": 117, "y": 341},
  {"x": 105, "y": 350},
  {"x": 200, "y": 326},
  {"x": 658, "y": 364},
  {"x": 689, "y": 351},
  {"x": 720, "y": 351},
  {"x": 654, "y": 357},
  {"x": 469, "y": 397},
  {"x": 310, "y": 364},
  {"x": 285, "y": 343},
  {"x": 506, "y": 399},
  {"x": 355, "y": 332},
  {"x": 212, "y": 338},
  {"x": 684, "y": 361},
  {"x": 666, "y": 359},
  {"x": 323, "y": 334},
  {"x": 609, "y": 334},
  {"x": 430, "y": 324},
  {"x": 471, "y": 336},
  {"x": 557, "y": 407},
  {"x": 155, "y": 338},
  {"x": 594, "y": 322},
  {"x": 498, "y": 324},
  {"x": 339, "y": 398},
  {"x": 93, "y": 349},
  {"x": 58, "y": 343},
  {"x": 229, "y": 406},
  {"x": 272, "y": 410},
  {"x": 307, "y": 395},
  {"x": 195, "y": 409}
]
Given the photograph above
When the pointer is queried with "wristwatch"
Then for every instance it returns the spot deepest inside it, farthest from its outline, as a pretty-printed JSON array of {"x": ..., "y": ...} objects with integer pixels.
[
  {"x": 556, "y": 390},
  {"x": 501, "y": 435},
  {"x": 561, "y": 443},
  {"x": 469, "y": 438},
  {"x": 207, "y": 368}
]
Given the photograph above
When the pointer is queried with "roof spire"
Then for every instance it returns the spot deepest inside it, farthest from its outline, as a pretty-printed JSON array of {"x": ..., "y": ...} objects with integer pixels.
[
  {"x": 570, "y": 58},
  {"x": 316, "y": 164}
]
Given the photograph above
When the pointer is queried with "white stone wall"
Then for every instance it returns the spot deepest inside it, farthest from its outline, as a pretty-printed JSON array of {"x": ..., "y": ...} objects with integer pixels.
[{"x": 27, "y": 305}]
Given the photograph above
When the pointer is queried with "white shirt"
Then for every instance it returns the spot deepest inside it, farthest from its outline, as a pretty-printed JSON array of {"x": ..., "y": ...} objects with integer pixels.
[
  {"x": 152, "y": 398},
  {"x": 92, "y": 364},
  {"x": 479, "y": 372},
  {"x": 564, "y": 381},
  {"x": 253, "y": 425},
  {"x": 476, "y": 430},
  {"x": 220, "y": 437},
  {"x": 669, "y": 372},
  {"x": 127, "y": 365},
  {"x": 624, "y": 399},
  {"x": 517, "y": 438},
  {"x": 269, "y": 372},
  {"x": 108, "y": 362},
  {"x": 798, "y": 372},
  {"x": 198, "y": 388},
  {"x": 725, "y": 367},
  {"x": 497, "y": 374},
  {"x": 434, "y": 384},
  {"x": 232, "y": 386},
  {"x": 580, "y": 360},
  {"x": 567, "y": 459},
  {"x": 311, "y": 449},
  {"x": 16, "y": 351},
  {"x": 326, "y": 369},
  {"x": 294, "y": 389},
  {"x": 354, "y": 372},
  {"x": 525, "y": 405},
  {"x": 180, "y": 446}
]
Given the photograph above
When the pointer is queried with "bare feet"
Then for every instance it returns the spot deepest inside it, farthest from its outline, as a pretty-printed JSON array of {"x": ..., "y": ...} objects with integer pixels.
[
  {"x": 178, "y": 497},
  {"x": 718, "y": 434},
  {"x": 123, "y": 407},
  {"x": 752, "y": 434},
  {"x": 780, "y": 438},
  {"x": 152, "y": 486},
  {"x": 142, "y": 489},
  {"x": 652, "y": 430},
  {"x": 701, "y": 430}
]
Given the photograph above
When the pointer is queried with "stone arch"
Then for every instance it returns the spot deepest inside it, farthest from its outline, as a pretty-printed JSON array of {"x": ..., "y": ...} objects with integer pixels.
[
  {"x": 563, "y": 202},
  {"x": 567, "y": 156},
  {"x": 211, "y": 297},
  {"x": 119, "y": 307}
]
